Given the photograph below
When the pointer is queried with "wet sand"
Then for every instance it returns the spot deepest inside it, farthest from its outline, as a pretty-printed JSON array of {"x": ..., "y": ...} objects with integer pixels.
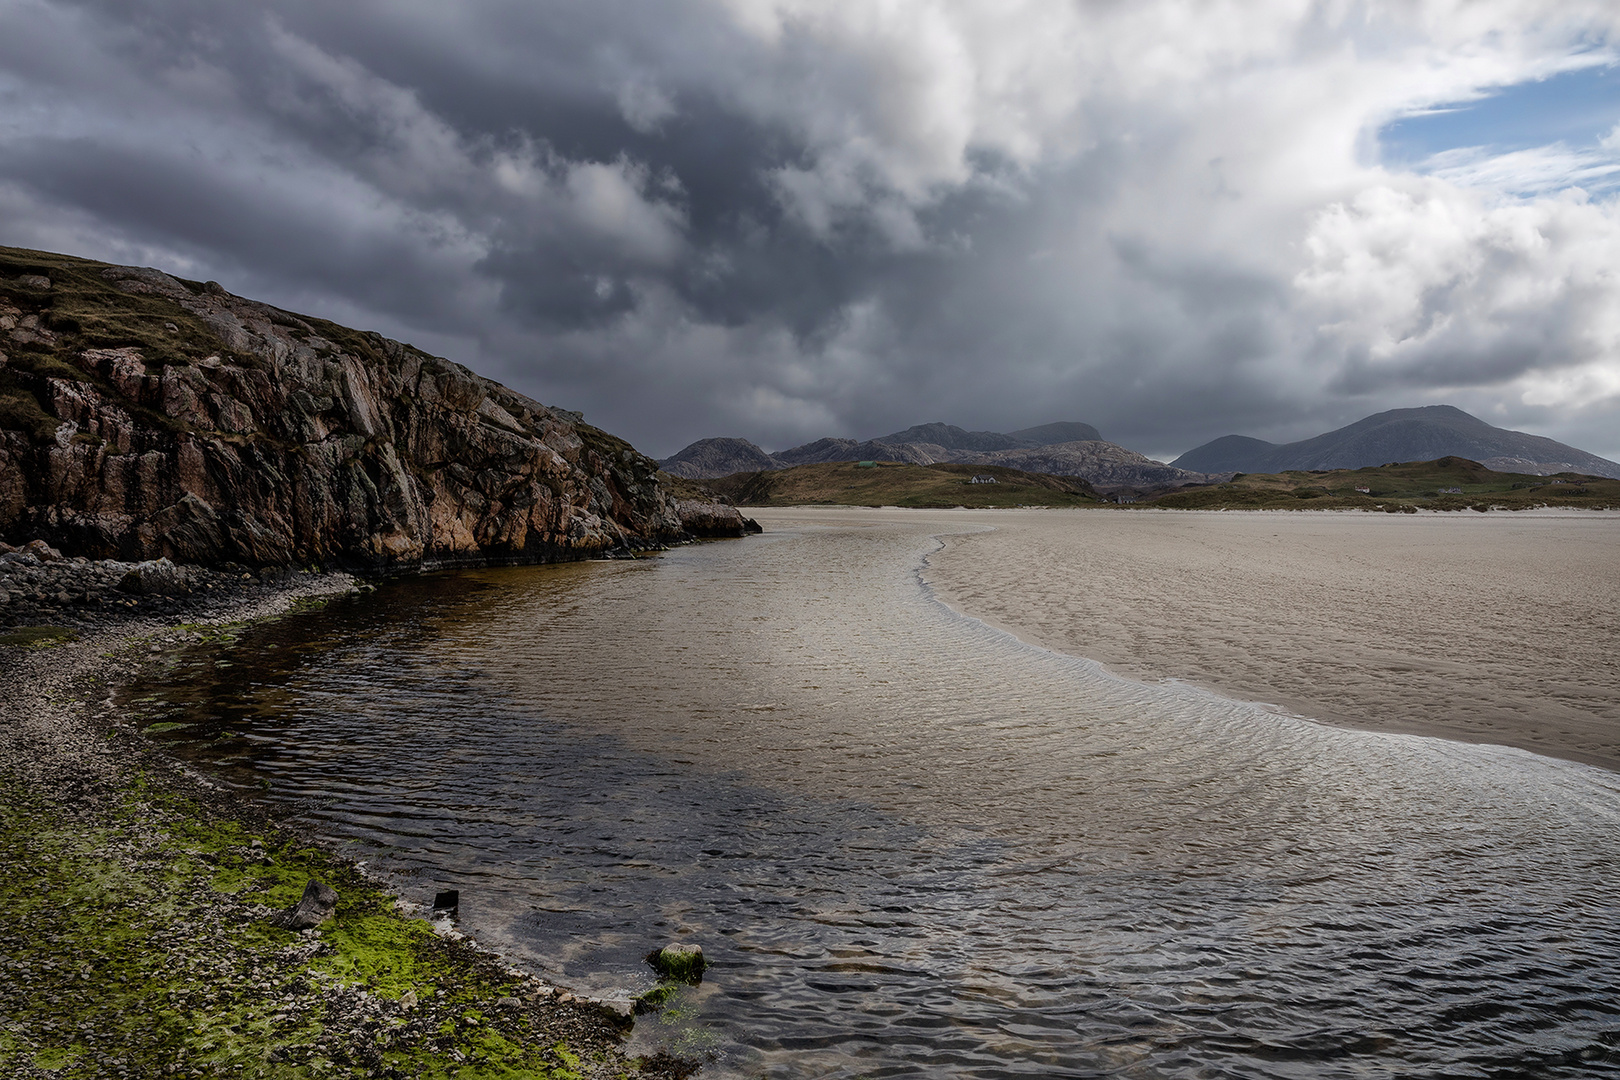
[{"x": 1489, "y": 628}]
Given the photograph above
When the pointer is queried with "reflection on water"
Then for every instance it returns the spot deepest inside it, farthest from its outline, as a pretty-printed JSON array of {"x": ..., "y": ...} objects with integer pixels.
[{"x": 913, "y": 845}]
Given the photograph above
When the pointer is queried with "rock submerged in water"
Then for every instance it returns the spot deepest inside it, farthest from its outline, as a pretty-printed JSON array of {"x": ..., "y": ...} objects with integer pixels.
[
  {"x": 708, "y": 518},
  {"x": 678, "y": 966},
  {"x": 315, "y": 907},
  {"x": 254, "y": 435},
  {"x": 679, "y": 963}
]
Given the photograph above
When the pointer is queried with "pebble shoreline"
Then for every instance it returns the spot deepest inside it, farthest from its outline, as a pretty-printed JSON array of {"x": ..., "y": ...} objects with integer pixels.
[{"x": 70, "y": 757}]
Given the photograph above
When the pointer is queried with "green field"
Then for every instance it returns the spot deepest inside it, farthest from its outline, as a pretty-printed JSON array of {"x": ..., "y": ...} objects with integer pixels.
[
  {"x": 888, "y": 483},
  {"x": 1400, "y": 488}
]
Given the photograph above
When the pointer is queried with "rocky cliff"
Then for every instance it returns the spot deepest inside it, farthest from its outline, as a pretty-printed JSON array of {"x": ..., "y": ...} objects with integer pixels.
[{"x": 142, "y": 416}]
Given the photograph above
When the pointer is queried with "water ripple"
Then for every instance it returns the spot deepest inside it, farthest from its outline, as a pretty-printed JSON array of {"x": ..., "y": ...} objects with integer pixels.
[{"x": 913, "y": 845}]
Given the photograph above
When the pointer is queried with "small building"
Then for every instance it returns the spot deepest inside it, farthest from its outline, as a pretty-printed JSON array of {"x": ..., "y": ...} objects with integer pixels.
[
  {"x": 1451, "y": 491},
  {"x": 1365, "y": 490},
  {"x": 984, "y": 478},
  {"x": 866, "y": 464}
]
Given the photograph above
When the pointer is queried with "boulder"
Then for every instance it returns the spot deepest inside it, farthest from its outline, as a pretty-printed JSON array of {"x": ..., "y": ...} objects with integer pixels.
[
  {"x": 679, "y": 962},
  {"x": 620, "y": 1014},
  {"x": 157, "y": 577},
  {"x": 316, "y": 906},
  {"x": 42, "y": 551},
  {"x": 712, "y": 518}
]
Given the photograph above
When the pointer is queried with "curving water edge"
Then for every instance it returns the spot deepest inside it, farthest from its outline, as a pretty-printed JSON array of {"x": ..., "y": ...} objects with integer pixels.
[{"x": 915, "y": 845}]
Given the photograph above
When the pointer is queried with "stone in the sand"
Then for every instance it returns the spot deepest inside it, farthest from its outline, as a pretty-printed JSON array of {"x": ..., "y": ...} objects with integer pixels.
[
  {"x": 317, "y": 905},
  {"x": 621, "y": 1014},
  {"x": 680, "y": 962},
  {"x": 156, "y": 577}
]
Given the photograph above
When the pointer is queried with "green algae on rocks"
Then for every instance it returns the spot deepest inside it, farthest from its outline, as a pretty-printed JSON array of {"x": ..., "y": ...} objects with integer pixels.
[
  {"x": 39, "y": 637},
  {"x": 137, "y": 945}
]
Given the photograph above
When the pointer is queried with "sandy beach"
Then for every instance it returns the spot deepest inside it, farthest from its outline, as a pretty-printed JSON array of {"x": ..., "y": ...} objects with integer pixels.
[{"x": 1490, "y": 628}]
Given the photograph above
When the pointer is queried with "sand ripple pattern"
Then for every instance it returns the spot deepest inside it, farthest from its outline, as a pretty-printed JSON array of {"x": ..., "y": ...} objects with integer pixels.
[{"x": 916, "y": 846}]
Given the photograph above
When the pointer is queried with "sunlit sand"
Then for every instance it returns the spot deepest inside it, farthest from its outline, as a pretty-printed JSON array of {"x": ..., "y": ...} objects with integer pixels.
[{"x": 1497, "y": 628}]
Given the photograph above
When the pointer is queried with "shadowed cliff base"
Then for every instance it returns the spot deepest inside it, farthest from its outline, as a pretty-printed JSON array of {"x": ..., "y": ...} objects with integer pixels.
[{"x": 144, "y": 416}]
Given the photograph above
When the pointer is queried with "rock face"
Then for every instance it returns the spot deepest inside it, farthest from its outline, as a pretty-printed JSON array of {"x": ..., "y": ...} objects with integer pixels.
[
  {"x": 830, "y": 449},
  {"x": 1102, "y": 464},
  {"x": 143, "y": 417}
]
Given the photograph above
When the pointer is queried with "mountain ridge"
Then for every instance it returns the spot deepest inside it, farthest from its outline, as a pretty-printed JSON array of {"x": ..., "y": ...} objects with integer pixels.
[
  {"x": 1048, "y": 448},
  {"x": 1425, "y": 433}
]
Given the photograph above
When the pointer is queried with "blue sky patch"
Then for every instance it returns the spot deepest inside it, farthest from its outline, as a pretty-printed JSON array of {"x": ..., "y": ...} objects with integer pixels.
[{"x": 1576, "y": 108}]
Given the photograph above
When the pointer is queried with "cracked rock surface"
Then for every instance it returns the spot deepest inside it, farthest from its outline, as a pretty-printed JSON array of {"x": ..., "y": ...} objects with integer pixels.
[{"x": 144, "y": 417}]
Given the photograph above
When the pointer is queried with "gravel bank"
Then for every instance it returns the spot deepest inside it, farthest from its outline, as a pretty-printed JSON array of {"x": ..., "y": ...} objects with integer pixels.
[{"x": 137, "y": 894}]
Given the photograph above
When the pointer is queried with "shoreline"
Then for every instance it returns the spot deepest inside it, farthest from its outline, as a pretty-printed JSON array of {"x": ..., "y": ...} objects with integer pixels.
[
  {"x": 1293, "y": 708},
  {"x": 145, "y": 888},
  {"x": 1596, "y": 744}
]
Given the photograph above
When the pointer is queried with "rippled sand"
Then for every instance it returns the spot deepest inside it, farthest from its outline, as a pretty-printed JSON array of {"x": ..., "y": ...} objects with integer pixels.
[{"x": 1499, "y": 628}]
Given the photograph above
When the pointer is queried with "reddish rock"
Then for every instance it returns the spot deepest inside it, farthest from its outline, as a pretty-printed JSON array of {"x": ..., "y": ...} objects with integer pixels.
[{"x": 279, "y": 438}]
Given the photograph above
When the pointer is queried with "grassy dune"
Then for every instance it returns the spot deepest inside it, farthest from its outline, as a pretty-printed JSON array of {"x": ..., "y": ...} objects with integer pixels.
[
  {"x": 885, "y": 483},
  {"x": 1404, "y": 487}
]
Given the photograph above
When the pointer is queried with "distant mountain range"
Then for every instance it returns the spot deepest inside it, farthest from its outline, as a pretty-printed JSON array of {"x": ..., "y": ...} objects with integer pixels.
[
  {"x": 1065, "y": 448},
  {"x": 1070, "y": 448},
  {"x": 1425, "y": 434}
]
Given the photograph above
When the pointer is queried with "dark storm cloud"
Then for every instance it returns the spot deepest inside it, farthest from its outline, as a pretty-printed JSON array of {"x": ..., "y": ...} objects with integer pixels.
[{"x": 784, "y": 219}]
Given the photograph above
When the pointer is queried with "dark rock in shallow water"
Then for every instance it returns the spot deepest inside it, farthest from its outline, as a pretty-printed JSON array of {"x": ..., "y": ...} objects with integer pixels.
[
  {"x": 713, "y": 518},
  {"x": 317, "y": 905},
  {"x": 679, "y": 962},
  {"x": 656, "y": 998}
]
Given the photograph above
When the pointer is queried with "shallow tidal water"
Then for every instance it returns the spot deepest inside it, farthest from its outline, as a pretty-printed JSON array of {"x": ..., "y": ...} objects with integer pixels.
[{"x": 912, "y": 845}]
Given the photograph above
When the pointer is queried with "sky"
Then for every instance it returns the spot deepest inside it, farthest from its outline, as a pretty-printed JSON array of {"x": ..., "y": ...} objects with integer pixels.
[{"x": 785, "y": 219}]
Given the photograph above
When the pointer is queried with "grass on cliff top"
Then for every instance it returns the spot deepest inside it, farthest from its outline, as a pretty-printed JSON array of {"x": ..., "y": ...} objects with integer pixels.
[
  {"x": 682, "y": 488},
  {"x": 885, "y": 483},
  {"x": 1404, "y": 487},
  {"x": 85, "y": 311},
  {"x": 89, "y": 312}
]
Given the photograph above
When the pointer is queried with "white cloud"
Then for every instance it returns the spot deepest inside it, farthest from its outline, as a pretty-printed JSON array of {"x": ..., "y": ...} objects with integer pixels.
[
  {"x": 644, "y": 106},
  {"x": 1534, "y": 171},
  {"x": 850, "y": 226},
  {"x": 611, "y": 199},
  {"x": 1440, "y": 286}
]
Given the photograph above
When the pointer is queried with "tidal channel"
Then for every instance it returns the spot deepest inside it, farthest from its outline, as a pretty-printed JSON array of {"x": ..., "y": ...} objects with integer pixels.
[{"x": 911, "y": 844}]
